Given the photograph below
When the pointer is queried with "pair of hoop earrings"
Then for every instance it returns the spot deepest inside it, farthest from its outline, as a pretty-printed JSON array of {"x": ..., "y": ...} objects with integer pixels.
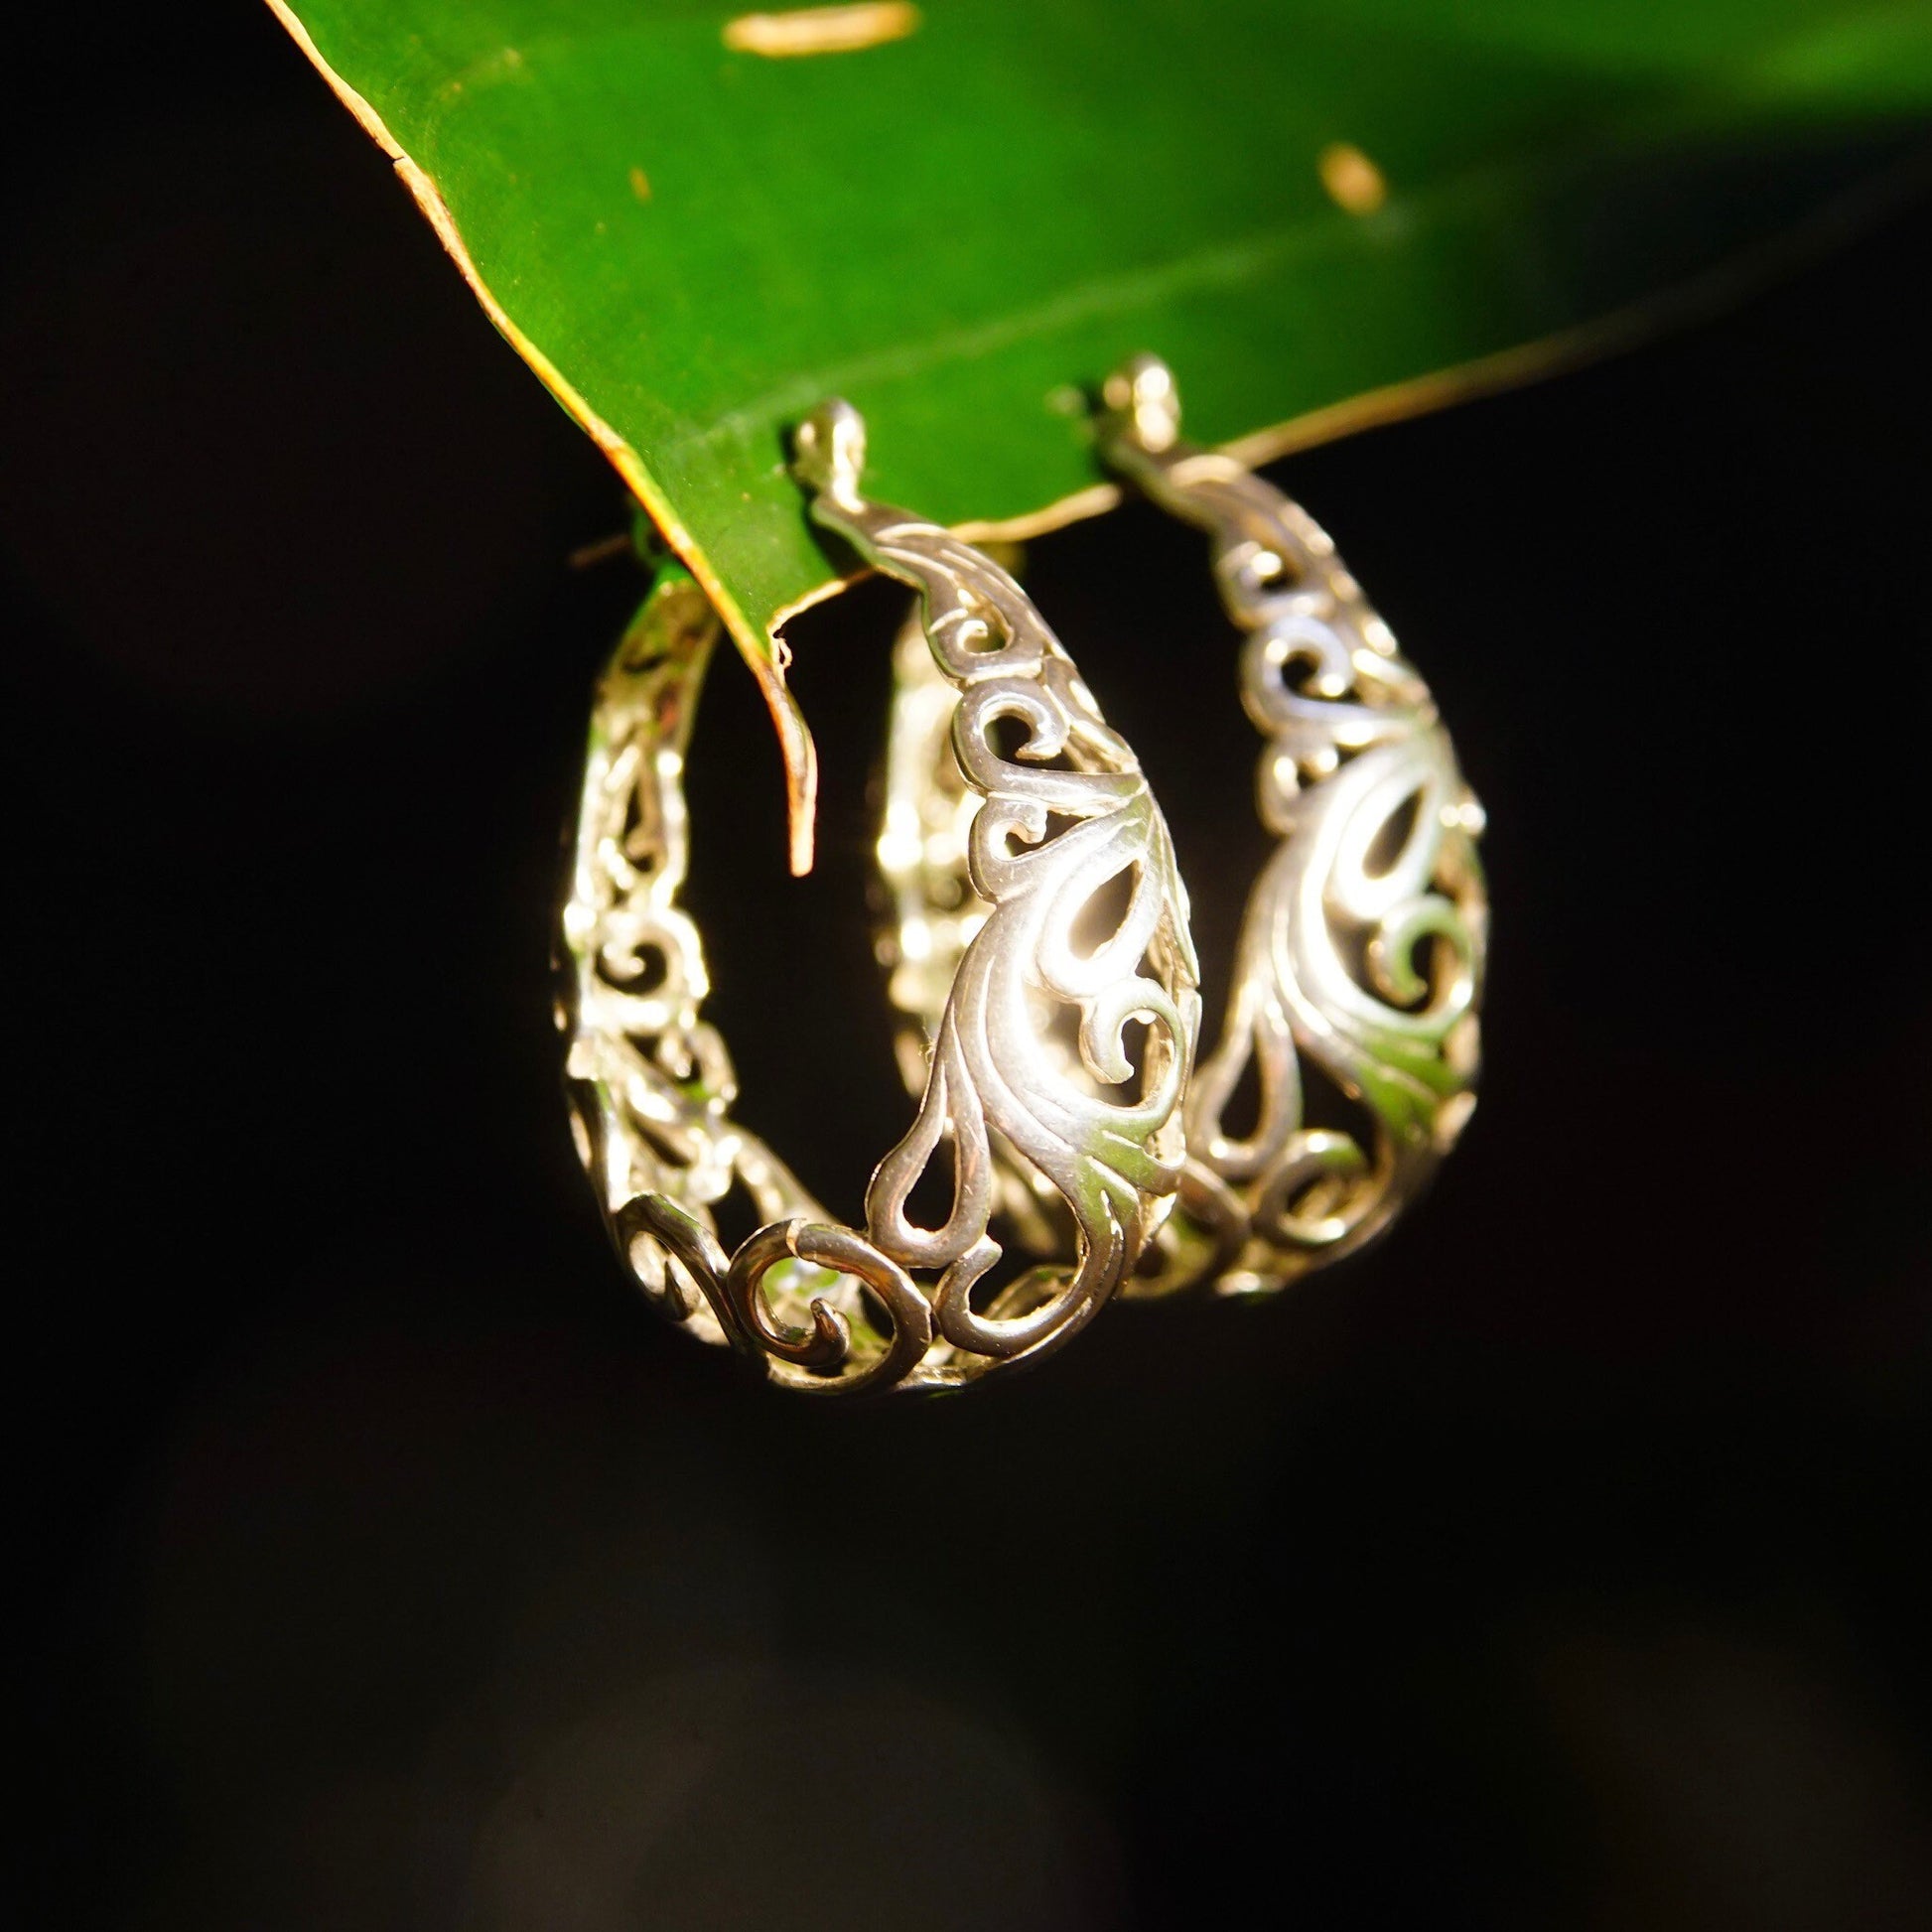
[{"x": 1054, "y": 1067}]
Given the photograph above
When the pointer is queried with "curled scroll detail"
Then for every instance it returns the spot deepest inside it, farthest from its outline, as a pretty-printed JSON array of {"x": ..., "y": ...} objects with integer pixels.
[
  {"x": 1064, "y": 812},
  {"x": 1363, "y": 942},
  {"x": 810, "y": 1303}
]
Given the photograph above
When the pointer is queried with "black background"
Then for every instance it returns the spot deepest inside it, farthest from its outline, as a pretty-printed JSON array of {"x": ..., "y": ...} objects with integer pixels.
[{"x": 1558, "y": 1563}]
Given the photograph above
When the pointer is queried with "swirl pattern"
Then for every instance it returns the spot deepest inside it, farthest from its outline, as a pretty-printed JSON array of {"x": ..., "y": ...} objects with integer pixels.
[
  {"x": 1059, "y": 813},
  {"x": 1064, "y": 812},
  {"x": 1363, "y": 941},
  {"x": 651, "y": 1082}
]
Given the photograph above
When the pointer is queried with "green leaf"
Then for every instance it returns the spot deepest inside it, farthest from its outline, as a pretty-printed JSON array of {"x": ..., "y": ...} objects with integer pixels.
[{"x": 1323, "y": 212}]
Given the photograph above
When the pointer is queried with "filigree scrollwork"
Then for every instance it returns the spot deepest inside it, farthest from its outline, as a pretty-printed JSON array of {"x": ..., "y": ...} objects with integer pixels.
[
  {"x": 651, "y": 1081},
  {"x": 1059, "y": 811},
  {"x": 931, "y": 911},
  {"x": 1362, "y": 946},
  {"x": 1065, "y": 811}
]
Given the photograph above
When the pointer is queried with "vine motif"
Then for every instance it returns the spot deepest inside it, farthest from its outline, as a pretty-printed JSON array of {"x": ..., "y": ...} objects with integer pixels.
[
  {"x": 1064, "y": 812},
  {"x": 652, "y": 1083},
  {"x": 930, "y": 911},
  {"x": 1363, "y": 942}
]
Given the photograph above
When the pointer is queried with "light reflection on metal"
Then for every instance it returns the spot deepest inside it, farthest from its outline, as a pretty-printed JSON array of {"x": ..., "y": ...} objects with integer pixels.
[
  {"x": 1363, "y": 943},
  {"x": 1048, "y": 825}
]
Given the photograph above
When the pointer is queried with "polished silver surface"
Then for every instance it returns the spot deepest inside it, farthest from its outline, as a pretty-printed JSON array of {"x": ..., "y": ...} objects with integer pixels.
[
  {"x": 651, "y": 1082},
  {"x": 1361, "y": 951},
  {"x": 1065, "y": 813},
  {"x": 1052, "y": 810}
]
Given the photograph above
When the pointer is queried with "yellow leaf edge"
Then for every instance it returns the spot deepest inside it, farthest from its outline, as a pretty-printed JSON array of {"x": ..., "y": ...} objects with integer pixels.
[
  {"x": 764, "y": 650},
  {"x": 760, "y": 649}
]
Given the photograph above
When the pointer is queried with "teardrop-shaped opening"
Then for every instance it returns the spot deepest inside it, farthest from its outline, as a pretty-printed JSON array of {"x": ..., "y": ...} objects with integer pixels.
[
  {"x": 930, "y": 1201},
  {"x": 1104, "y": 914},
  {"x": 1241, "y": 1111},
  {"x": 1385, "y": 850}
]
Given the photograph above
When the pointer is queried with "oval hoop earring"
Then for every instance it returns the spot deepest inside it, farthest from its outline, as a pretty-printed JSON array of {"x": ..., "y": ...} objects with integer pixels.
[
  {"x": 1062, "y": 811},
  {"x": 1362, "y": 947}
]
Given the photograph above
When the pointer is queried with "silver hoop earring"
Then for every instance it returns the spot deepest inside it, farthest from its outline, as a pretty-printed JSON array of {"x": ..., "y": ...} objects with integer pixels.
[
  {"x": 1056, "y": 817},
  {"x": 1362, "y": 947}
]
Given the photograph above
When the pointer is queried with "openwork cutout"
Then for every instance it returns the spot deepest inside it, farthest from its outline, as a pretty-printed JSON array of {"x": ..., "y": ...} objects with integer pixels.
[
  {"x": 1362, "y": 946},
  {"x": 815, "y": 1304}
]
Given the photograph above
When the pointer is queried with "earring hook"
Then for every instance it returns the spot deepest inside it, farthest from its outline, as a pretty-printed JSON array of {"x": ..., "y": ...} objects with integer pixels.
[{"x": 1141, "y": 404}]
